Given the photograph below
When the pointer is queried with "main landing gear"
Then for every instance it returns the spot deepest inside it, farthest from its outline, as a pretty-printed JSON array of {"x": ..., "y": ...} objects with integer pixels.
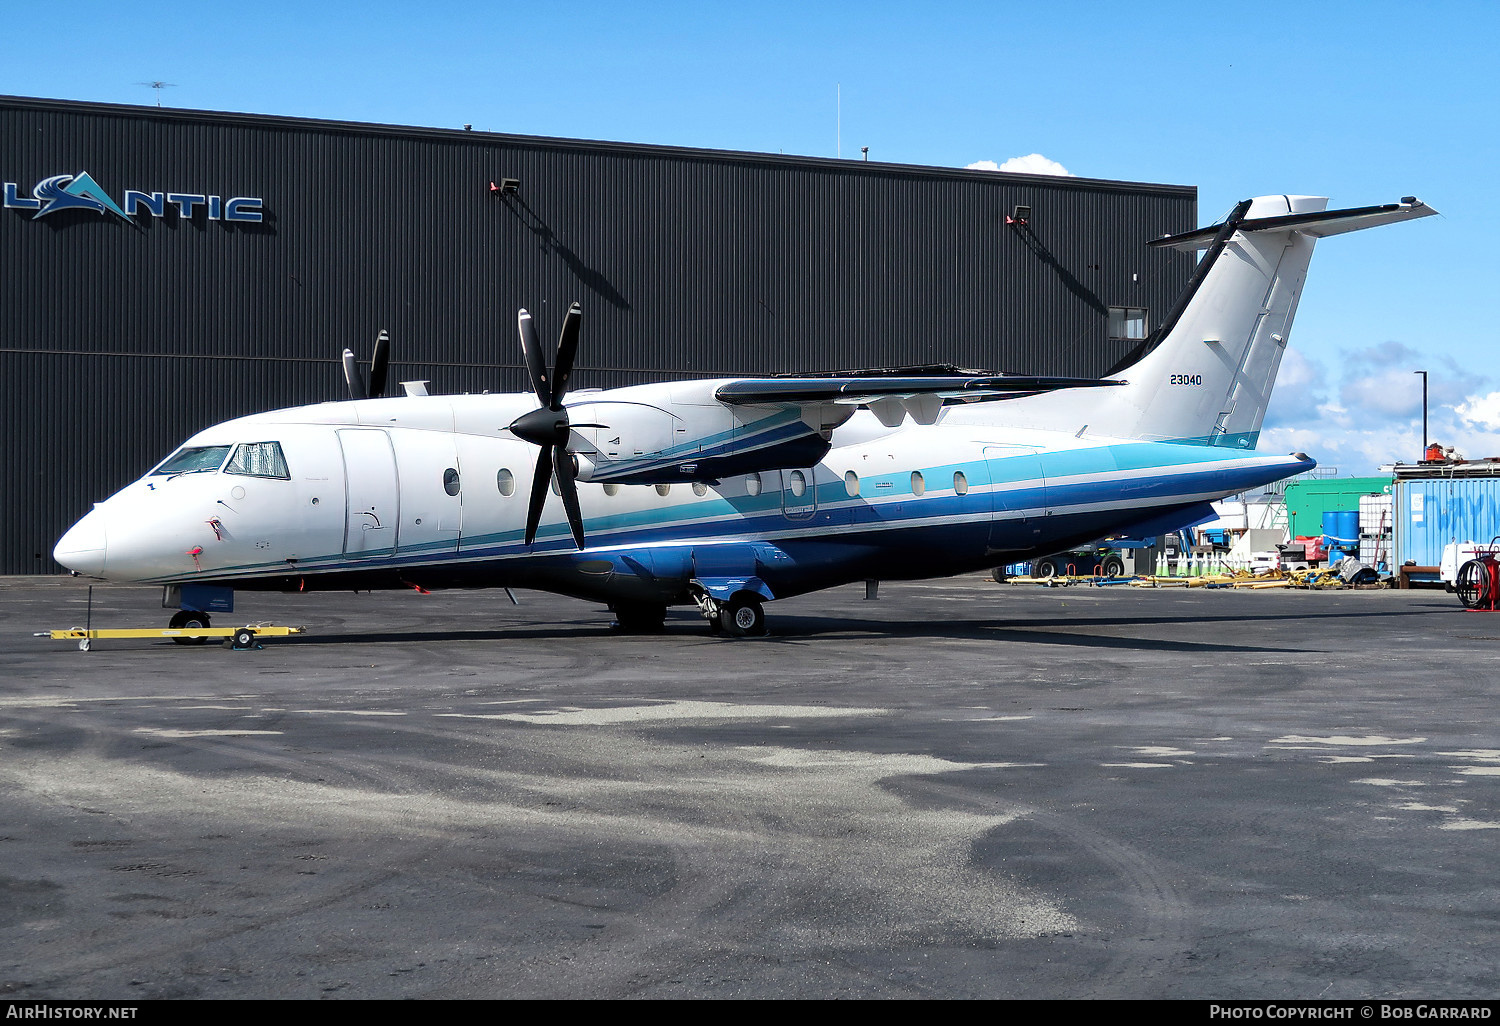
[
  {"x": 743, "y": 616},
  {"x": 639, "y": 617}
]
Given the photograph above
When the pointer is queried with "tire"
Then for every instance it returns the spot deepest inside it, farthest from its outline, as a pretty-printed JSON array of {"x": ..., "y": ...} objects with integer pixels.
[
  {"x": 744, "y": 617},
  {"x": 1045, "y": 569},
  {"x": 640, "y": 617},
  {"x": 244, "y": 638},
  {"x": 998, "y": 575},
  {"x": 188, "y": 619},
  {"x": 1113, "y": 566},
  {"x": 1473, "y": 584}
]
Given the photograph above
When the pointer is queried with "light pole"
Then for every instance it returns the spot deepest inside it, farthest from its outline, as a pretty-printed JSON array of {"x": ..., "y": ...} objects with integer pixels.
[{"x": 1424, "y": 412}]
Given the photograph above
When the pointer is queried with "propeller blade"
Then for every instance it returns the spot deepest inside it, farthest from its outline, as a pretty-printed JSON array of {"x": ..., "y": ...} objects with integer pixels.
[
  {"x": 353, "y": 378},
  {"x": 536, "y": 364},
  {"x": 547, "y": 427},
  {"x": 539, "y": 483},
  {"x": 567, "y": 349},
  {"x": 380, "y": 363},
  {"x": 567, "y": 487}
]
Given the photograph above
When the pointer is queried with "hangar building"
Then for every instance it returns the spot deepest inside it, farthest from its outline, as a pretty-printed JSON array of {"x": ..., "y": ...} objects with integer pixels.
[{"x": 162, "y": 270}]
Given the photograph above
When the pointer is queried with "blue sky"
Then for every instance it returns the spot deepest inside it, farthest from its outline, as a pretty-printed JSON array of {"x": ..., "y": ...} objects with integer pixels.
[{"x": 1361, "y": 102}]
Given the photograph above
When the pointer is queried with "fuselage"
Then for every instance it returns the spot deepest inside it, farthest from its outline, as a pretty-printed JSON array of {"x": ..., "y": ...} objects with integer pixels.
[{"x": 431, "y": 492}]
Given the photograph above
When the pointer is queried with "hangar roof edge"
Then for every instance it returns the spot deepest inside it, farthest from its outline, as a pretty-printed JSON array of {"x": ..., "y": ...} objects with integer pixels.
[{"x": 246, "y": 120}]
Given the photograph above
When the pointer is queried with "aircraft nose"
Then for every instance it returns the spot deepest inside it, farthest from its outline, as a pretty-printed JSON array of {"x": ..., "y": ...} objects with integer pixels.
[{"x": 82, "y": 547}]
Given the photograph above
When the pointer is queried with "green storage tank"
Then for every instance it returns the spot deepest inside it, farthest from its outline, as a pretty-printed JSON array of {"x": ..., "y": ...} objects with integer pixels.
[{"x": 1307, "y": 500}]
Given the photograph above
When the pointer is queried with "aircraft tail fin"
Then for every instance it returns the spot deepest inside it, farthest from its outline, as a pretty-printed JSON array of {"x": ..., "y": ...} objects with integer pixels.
[{"x": 1206, "y": 374}]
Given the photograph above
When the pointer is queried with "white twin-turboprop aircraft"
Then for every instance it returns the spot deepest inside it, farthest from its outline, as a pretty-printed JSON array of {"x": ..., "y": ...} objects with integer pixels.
[{"x": 728, "y": 493}]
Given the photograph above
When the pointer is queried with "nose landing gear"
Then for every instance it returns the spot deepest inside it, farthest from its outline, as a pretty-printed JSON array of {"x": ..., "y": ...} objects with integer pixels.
[{"x": 187, "y": 619}]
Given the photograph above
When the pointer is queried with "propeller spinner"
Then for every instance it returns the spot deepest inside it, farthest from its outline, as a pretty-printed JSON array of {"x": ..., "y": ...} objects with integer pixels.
[{"x": 547, "y": 427}]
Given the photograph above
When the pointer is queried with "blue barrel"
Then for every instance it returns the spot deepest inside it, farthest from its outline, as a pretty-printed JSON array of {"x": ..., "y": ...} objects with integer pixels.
[{"x": 1341, "y": 532}]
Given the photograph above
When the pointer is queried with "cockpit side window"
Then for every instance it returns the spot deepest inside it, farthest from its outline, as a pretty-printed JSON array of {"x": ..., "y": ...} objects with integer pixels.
[
  {"x": 258, "y": 459},
  {"x": 195, "y": 460}
]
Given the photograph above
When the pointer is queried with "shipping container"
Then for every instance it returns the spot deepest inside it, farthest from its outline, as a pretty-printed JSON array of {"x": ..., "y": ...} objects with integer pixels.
[
  {"x": 1308, "y": 498},
  {"x": 1431, "y": 512}
]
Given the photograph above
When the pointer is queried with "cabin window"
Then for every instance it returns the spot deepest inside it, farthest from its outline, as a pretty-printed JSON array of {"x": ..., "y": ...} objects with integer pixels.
[
  {"x": 699, "y": 488},
  {"x": 798, "y": 483},
  {"x": 1127, "y": 322},
  {"x": 194, "y": 461},
  {"x": 450, "y": 481},
  {"x": 663, "y": 489},
  {"x": 505, "y": 481},
  {"x": 918, "y": 483},
  {"x": 611, "y": 489},
  {"x": 752, "y": 484},
  {"x": 851, "y": 483},
  {"x": 258, "y": 459},
  {"x": 960, "y": 483}
]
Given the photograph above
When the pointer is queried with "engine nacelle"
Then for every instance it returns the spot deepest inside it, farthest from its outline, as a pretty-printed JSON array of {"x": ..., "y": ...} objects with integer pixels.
[{"x": 662, "y": 434}]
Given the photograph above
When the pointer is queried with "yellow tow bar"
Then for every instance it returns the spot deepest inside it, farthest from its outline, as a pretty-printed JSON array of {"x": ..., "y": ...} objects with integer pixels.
[{"x": 238, "y": 637}]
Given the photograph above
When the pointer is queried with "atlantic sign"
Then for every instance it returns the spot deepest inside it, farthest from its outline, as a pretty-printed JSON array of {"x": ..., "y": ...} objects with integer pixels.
[{"x": 80, "y": 192}]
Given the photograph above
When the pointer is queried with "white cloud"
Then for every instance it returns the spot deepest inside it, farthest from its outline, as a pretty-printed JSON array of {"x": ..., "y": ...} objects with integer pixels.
[
  {"x": 1481, "y": 411},
  {"x": 1031, "y": 164},
  {"x": 1392, "y": 393},
  {"x": 1370, "y": 413}
]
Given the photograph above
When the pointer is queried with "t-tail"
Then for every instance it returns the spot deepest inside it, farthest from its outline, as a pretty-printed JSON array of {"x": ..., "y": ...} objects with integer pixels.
[{"x": 1205, "y": 375}]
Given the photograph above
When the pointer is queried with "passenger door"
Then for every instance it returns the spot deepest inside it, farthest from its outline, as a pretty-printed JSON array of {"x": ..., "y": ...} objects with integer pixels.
[
  {"x": 372, "y": 502},
  {"x": 1019, "y": 491}
]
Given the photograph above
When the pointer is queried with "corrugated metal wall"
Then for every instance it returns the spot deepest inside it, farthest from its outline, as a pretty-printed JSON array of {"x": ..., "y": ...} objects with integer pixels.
[
  {"x": 1431, "y": 512},
  {"x": 118, "y": 341}
]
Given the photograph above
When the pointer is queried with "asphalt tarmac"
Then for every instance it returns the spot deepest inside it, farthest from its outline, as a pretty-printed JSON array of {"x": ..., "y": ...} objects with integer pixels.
[{"x": 963, "y": 789}]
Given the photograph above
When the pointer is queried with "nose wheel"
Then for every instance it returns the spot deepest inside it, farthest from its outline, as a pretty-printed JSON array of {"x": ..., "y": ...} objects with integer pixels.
[{"x": 189, "y": 620}]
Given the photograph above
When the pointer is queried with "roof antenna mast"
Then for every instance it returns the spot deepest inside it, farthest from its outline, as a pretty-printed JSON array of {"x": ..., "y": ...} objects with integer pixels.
[{"x": 158, "y": 86}]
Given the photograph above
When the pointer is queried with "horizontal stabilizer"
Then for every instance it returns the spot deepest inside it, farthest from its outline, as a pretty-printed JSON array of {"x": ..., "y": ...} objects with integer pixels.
[
  {"x": 859, "y": 390},
  {"x": 1318, "y": 224}
]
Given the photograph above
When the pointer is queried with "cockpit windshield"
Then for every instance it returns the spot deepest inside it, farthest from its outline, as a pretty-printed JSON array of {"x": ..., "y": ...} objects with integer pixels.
[{"x": 193, "y": 460}]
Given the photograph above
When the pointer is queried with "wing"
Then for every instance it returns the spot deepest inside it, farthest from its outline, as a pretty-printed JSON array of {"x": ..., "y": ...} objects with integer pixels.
[
  {"x": 857, "y": 391},
  {"x": 892, "y": 398},
  {"x": 708, "y": 430}
]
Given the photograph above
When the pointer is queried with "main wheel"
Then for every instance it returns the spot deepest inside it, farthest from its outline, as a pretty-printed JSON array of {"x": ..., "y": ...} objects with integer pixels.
[
  {"x": 743, "y": 616},
  {"x": 1473, "y": 584},
  {"x": 640, "y": 617},
  {"x": 189, "y": 620},
  {"x": 1044, "y": 568}
]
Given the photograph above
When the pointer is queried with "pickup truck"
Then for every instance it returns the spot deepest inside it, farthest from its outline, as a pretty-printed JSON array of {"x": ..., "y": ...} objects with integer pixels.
[{"x": 1080, "y": 563}]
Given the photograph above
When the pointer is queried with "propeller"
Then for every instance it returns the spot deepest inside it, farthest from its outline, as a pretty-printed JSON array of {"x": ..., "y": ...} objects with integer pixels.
[
  {"x": 380, "y": 363},
  {"x": 547, "y": 427}
]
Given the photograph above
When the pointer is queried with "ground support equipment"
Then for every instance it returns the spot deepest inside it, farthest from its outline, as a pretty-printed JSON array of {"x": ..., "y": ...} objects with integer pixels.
[
  {"x": 1478, "y": 583},
  {"x": 241, "y": 638}
]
